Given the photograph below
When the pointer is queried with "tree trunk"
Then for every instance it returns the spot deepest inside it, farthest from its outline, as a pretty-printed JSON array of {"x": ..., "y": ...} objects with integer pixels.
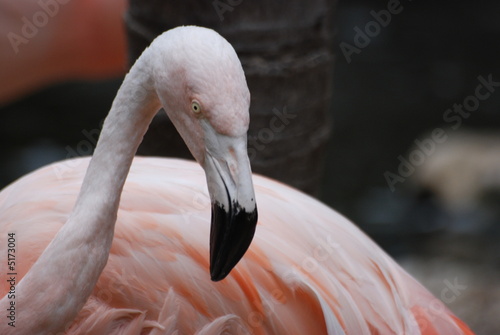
[{"x": 285, "y": 50}]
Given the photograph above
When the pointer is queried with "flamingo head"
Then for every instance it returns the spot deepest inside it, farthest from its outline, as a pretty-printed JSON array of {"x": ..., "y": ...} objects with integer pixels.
[{"x": 202, "y": 88}]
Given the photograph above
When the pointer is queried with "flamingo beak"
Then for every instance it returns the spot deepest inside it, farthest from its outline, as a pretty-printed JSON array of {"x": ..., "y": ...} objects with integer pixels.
[
  {"x": 231, "y": 233},
  {"x": 234, "y": 212}
]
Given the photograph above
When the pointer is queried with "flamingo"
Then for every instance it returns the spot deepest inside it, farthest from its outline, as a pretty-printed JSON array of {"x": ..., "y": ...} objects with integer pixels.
[{"x": 128, "y": 253}]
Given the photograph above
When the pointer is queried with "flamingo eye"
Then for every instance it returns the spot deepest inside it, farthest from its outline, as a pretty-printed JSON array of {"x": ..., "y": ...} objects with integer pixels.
[{"x": 195, "y": 107}]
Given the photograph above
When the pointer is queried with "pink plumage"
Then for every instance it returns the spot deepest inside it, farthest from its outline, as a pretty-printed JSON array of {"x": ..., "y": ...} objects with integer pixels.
[{"x": 309, "y": 270}]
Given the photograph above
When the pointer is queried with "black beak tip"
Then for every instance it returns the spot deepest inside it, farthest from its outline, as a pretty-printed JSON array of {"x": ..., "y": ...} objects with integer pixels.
[
  {"x": 217, "y": 275},
  {"x": 231, "y": 233}
]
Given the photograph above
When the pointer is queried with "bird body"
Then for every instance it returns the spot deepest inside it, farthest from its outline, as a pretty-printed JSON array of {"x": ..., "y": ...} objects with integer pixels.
[
  {"x": 104, "y": 246},
  {"x": 309, "y": 270}
]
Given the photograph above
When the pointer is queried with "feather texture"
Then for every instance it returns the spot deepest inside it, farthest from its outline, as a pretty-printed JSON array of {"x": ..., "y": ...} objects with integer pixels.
[{"x": 308, "y": 271}]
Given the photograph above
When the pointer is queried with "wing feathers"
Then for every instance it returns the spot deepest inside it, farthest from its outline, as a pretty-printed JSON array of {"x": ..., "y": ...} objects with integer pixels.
[{"x": 309, "y": 270}]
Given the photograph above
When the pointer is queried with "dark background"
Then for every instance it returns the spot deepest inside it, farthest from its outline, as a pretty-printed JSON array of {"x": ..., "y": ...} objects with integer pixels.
[{"x": 394, "y": 91}]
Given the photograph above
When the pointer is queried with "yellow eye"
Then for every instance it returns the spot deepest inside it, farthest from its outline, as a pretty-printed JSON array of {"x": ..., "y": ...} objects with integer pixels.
[{"x": 195, "y": 107}]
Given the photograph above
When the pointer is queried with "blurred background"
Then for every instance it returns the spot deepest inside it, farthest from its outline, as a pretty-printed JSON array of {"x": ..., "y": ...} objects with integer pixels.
[{"x": 394, "y": 113}]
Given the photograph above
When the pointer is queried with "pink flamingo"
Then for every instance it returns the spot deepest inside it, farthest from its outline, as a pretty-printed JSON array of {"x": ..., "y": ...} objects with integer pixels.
[{"x": 308, "y": 271}]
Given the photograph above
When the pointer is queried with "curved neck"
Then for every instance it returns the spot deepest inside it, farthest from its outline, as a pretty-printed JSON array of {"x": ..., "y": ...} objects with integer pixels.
[
  {"x": 68, "y": 269},
  {"x": 131, "y": 113}
]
